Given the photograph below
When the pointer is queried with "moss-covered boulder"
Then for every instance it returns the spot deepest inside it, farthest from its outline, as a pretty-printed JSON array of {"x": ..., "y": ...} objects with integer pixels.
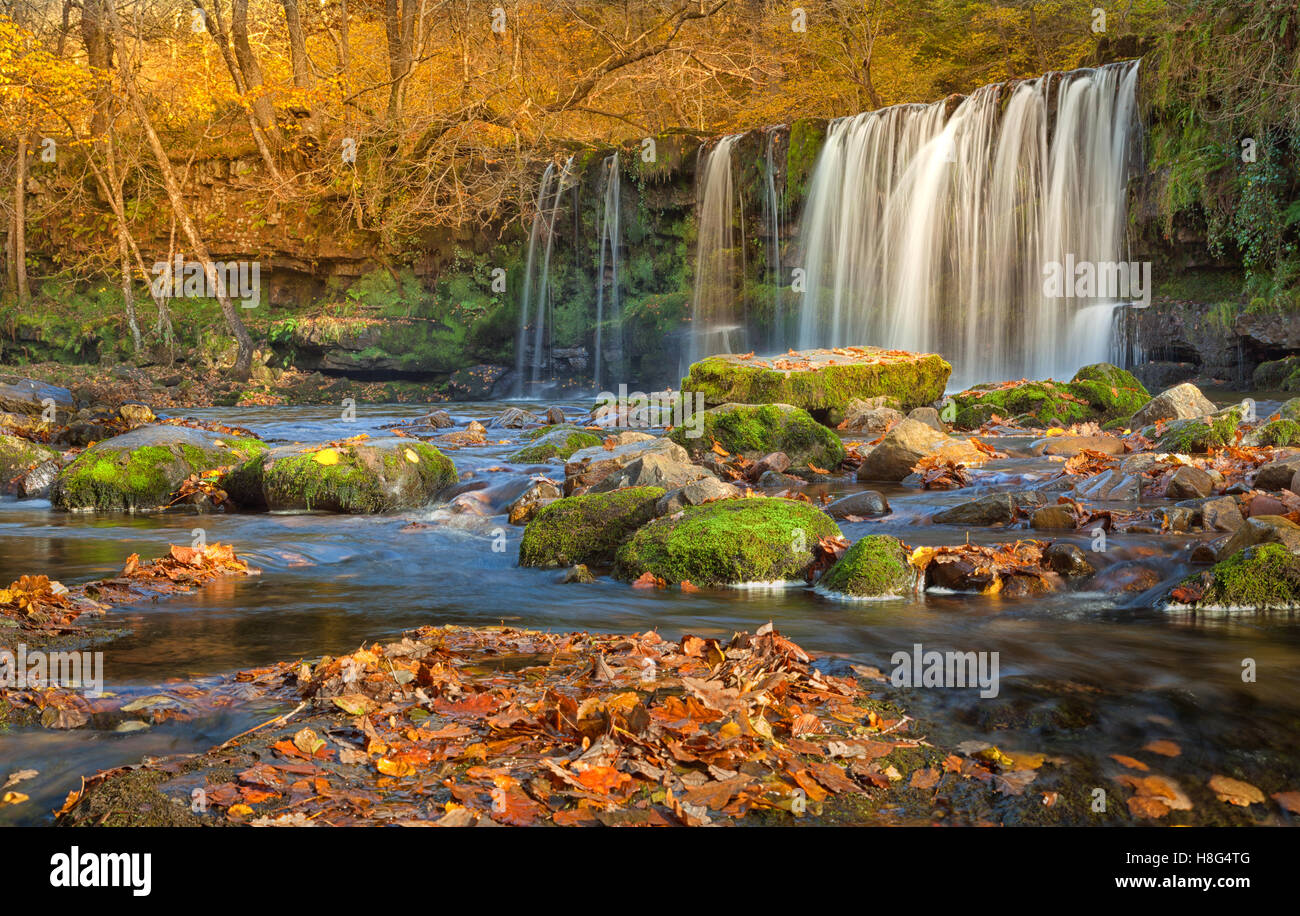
[
  {"x": 381, "y": 475},
  {"x": 1279, "y": 374},
  {"x": 823, "y": 382},
  {"x": 755, "y": 430},
  {"x": 1100, "y": 393},
  {"x": 140, "y": 470},
  {"x": 1263, "y": 577},
  {"x": 874, "y": 567},
  {"x": 732, "y": 541},
  {"x": 557, "y": 442},
  {"x": 586, "y": 529},
  {"x": 17, "y": 457},
  {"x": 1199, "y": 435}
]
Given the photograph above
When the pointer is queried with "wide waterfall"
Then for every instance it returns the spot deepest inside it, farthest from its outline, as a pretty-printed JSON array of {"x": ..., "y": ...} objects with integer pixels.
[
  {"x": 924, "y": 231},
  {"x": 609, "y": 230},
  {"x": 777, "y": 334},
  {"x": 715, "y": 325},
  {"x": 536, "y": 307}
]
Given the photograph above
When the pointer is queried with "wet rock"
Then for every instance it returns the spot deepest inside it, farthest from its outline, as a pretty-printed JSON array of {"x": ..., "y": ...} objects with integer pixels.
[
  {"x": 777, "y": 461},
  {"x": 823, "y": 382},
  {"x": 1052, "y": 518},
  {"x": 758, "y": 539},
  {"x": 1069, "y": 446},
  {"x": 1182, "y": 402},
  {"x": 1113, "y": 484},
  {"x": 1263, "y": 504},
  {"x": 557, "y": 443},
  {"x": 1189, "y": 483},
  {"x": 757, "y": 430},
  {"x": 140, "y": 470},
  {"x": 1278, "y": 474},
  {"x": 514, "y": 418},
  {"x": 134, "y": 414},
  {"x": 586, "y": 529},
  {"x": 527, "y": 503},
  {"x": 651, "y": 471},
  {"x": 30, "y": 398},
  {"x": 868, "y": 418},
  {"x": 874, "y": 567},
  {"x": 864, "y": 504},
  {"x": 930, "y": 417},
  {"x": 578, "y": 573},
  {"x": 475, "y": 433},
  {"x": 438, "y": 419},
  {"x": 1222, "y": 514},
  {"x": 957, "y": 573},
  {"x": 589, "y": 466},
  {"x": 994, "y": 509},
  {"x": 1068, "y": 560},
  {"x": 1197, "y": 436},
  {"x": 1263, "y": 529},
  {"x": 772, "y": 480},
  {"x": 1099, "y": 392},
  {"x": 909, "y": 442},
  {"x": 1130, "y": 576},
  {"x": 18, "y": 459},
  {"x": 554, "y": 415},
  {"x": 696, "y": 493},
  {"x": 37, "y": 483},
  {"x": 1176, "y": 518},
  {"x": 1205, "y": 553},
  {"x": 377, "y": 475}
]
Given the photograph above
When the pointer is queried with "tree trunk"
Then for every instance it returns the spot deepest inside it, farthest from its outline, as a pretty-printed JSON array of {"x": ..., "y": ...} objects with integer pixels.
[
  {"x": 399, "y": 30},
  {"x": 20, "y": 222},
  {"x": 128, "y": 291},
  {"x": 263, "y": 110},
  {"x": 244, "y": 356}
]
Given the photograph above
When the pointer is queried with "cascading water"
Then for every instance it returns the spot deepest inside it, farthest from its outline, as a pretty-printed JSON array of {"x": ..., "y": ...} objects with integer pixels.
[
  {"x": 715, "y": 326},
  {"x": 535, "y": 310},
  {"x": 610, "y": 233},
  {"x": 772, "y": 220},
  {"x": 930, "y": 232}
]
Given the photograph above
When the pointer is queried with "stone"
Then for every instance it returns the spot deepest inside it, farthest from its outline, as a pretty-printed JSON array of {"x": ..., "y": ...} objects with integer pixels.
[
  {"x": 554, "y": 415},
  {"x": 1199, "y": 435},
  {"x": 589, "y": 466},
  {"x": 37, "y": 483},
  {"x": 1222, "y": 514},
  {"x": 1129, "y": 576},
  {"x": 863, "y": 504},
  {"x": 514, "y": 418},
  {"x": 770, "y": 480},
  {"x": 1113, "y": 484},
  {"x": 1261, "y": 577},
  {"x": 651, "y": 471},
  {"x": 776, "y": 461},
  {"x": 1100, "y": 392},
  {"x": 578, "y": 573},
  {"x": 930, "y": 417},
  {"x": 1068, "y": 560},
  {"x": 526, "y": 504},
  {"x": 438, "y": 419},
  {"x": 1278, "y": 475},
  {"x": 1069, "y": 446},
  {"x": 994, "y": 509},
  {"x": 474, "y": 433},
  {"x": 1182, "y": 402},
  {"x": 136, "y": 414},
  {"x": 1263, "y": 504},
  {"x": 822, "y": 382},
  {"x": 909, "y": 442},
  {"x": 1189, "y": 483},
  {"x": 31, "y": 398},
  {"x": 586, "y": 529},
  {"x": 19, "y": 458},
  {"x": 1263, "y": 529},
  {"x": 557, "y": 443},
  {"x": 757, "y": 430},
  {"x": 1055, "y": 517},
  {"x": 757, "y": 539},
  {"x": 874, "y": 567},
  {"x": 696, "y": 493},
  {"x": 869, "y": 419}
]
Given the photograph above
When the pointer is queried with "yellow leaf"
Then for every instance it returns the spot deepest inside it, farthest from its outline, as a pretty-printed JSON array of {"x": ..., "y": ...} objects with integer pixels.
[
  {"x": 239, "y": 810},
  {"x": 394, "y": 767},
  {"x": 326, "y": 456},
  {"x": 13, "y": 798},
  {"x": 411, "y": 456}
]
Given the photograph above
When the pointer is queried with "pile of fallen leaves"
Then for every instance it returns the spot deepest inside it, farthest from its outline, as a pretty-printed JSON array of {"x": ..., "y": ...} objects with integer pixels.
[
  {"x": 938, "y": 473},
  {"x": 39, "y": 604},
  {"x": 1014, "y": 568},
  {"x": 450, "y": 725}
]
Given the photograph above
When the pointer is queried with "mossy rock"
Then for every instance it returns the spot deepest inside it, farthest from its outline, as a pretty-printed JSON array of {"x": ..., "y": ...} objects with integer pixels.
[
  {"x": 142, "y": 469},
  {"x": 1279, "y": 374},
  {"x": 1198, "y": 435},
  {"x": 1279, "y": 433},
  {"x": 823, "y": 382},
  {"x": 559, "y": 442},
  {"x": 367, "y": 477},
  {"x": 1100, "y": 393},
  {"x": 586, "y": 529},
  {"x": 18, "y": 456},
  {"x": 732, "y": 541},
  {"x": 755, "y": 430},
  {"x": 874, "y": 567},
  {"x": 1263, "y": 577}
]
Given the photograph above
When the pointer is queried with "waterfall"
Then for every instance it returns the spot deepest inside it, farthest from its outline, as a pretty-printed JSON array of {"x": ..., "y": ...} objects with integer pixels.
[
  {"x": 924, "y": 231},
  {"x": 609, "y": 232},
  {"x": 715, "y": 327},
  {"x": 535, "y": 303},
  {"x": 772, "y": 220}
]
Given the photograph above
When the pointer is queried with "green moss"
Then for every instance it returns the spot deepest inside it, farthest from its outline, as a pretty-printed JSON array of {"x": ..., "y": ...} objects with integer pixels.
[
  {"x": 732, "y": 541},
  {"x": 875, "y": 566},
  {"x": 825, "y": 390},
  {"x": 1197, "y": 436},
  {"x": 364, "y": 479},
  {"x": 560, "y": 443},
  {"x": 757, "y": 430},
  {"x": 1265, "y": 577},
  {"x": 586, "y": 529},
  {"x": 807, "y": 136},
  {"x": 20, "y": 455},
  {"x": 1109, "y": 390},
  {"x": 1101, "y": 393},
  {"x": 1280, "y": 433}
]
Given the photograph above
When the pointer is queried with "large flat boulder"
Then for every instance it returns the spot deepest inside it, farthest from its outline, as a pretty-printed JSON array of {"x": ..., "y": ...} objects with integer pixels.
[{"x": 822, "y": 382}]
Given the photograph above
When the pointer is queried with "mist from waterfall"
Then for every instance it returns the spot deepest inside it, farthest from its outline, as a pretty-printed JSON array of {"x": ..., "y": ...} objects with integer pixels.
[
  {"x": 609, "y": 230},
  {"x": 536, "y": 308},
  {"x": 715, "y": 325},
  {"x": 929, "y": 232}
]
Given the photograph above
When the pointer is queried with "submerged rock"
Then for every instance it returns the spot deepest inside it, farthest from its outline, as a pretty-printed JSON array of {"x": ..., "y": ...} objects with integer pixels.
[
  {"x": 874, "y": 567},
  {"x": 379, "y": 475},
  {"x": 140, "y": 470},
  {"x": 586, "y": 529},
  {"x": 757, "y": 430},
  {"x": 759, "y": 539},
  {"x": 1069, "y": 560},
  {"x": 823, "y": 382},
  {"x": 909, "y": 442},
  {"x": 1182, "y": 402}
]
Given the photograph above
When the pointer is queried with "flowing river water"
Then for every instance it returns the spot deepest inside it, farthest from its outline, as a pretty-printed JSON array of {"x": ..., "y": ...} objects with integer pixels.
[{"x": 1082, "y": 674}]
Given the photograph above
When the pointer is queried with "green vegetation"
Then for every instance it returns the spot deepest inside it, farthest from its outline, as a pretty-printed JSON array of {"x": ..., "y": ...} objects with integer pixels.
[
  {"x": 1100, "y": 392},
  {"x": 586, "y": 529},
  {"x": 351, "y": 478},
  {"x": 874, "y": 567},
  {"x": 758, "y": 430},
  {"x": 556, "y": 443},
  {"x": 1264, "y": 577}
]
